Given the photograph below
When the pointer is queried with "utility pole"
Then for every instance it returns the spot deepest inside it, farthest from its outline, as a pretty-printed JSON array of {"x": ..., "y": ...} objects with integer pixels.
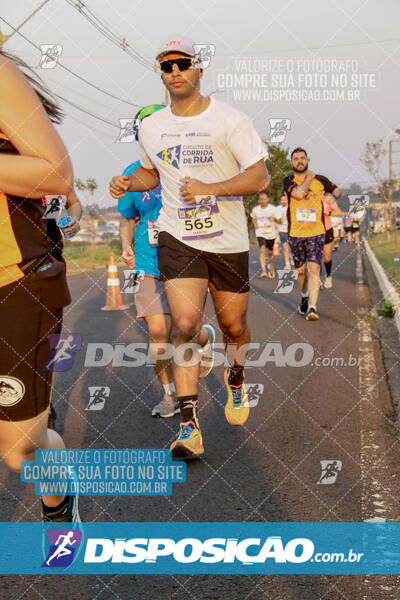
[
  {"x": 5, "y": 38},
  {"x": 391, "y": 182}
]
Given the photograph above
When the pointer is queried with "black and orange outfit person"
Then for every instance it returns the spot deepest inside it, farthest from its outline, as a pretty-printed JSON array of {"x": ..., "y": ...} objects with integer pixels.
[
  {"x": 306, "y": 228},
  {"x": 33, "y": 289}
]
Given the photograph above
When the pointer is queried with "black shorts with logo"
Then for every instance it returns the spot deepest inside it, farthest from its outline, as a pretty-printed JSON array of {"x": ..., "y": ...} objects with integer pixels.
[
  {"x": 228, "y": 272},
  {"x": 30, "y": 310}
]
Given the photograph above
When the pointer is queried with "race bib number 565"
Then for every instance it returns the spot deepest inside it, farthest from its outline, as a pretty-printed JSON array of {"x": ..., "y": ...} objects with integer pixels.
[{"x": 199, "y": 222}]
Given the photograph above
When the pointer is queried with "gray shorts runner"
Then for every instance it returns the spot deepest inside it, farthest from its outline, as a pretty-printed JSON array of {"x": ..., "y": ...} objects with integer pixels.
[{"x": 150, "y": 298}]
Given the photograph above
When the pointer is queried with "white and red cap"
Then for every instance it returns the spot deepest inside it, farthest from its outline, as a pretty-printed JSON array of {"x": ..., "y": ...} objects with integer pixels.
[{"x": 176, "y": 43}]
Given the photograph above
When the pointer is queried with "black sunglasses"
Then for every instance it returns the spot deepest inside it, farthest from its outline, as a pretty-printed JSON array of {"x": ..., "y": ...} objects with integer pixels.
[{"x": 183, "y": 64}]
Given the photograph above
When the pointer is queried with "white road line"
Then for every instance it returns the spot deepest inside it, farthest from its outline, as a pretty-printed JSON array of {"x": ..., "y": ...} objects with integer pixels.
[{"x": 373, "y": 506}]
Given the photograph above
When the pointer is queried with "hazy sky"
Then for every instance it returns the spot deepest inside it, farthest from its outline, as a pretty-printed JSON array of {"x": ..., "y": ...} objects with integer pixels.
[{"x": 276, "y": 38}]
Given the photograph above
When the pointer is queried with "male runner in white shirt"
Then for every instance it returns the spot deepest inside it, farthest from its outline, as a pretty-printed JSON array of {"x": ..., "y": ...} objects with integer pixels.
[{"x": 207, "y": 155}]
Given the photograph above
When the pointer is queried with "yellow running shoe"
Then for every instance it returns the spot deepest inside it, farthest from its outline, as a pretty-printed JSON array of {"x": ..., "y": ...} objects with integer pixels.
[
  {"x": 237, "y": 407},
  {"x": 189, "y": 443}
]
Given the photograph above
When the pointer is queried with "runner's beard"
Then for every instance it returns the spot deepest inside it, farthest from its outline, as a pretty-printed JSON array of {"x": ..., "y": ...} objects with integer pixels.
[{"x": 301, "y": 170}]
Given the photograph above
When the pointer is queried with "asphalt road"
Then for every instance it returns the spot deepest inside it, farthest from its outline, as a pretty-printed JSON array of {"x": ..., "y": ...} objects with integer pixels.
[{"x": 337, "y": 406}]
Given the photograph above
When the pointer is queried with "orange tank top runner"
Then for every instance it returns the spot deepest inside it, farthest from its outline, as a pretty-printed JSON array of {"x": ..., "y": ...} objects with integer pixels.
[
  {"x": 305, "y": 216},
  {"x": 22, "y": 231}
]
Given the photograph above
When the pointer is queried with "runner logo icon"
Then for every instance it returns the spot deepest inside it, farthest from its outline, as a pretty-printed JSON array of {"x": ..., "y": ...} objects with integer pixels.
[
  {"x": 126, "y": 131},
  {"x": 286, "y": 281},
  {"x": 278, "y": 130},
  {"x": 62, "y": 351},
  {"x": 63, "y": 543},
  {"x": 54, "y": 205},
  {"x": 358, "y": 205},
  {"x": 171, "y": 156},
  {"x": 330, "y": 470},
  {"x": 254, "y": 391},
  {"x": 204, "y": 52},
  {"x": 50, "y": 55},
  {"x": 98, "y": 396}
]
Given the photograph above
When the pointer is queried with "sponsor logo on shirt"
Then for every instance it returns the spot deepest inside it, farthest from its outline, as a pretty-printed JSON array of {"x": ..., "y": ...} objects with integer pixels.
[
  {"x": 197, "y": 155},
  {"x": 163, "y": 135},
  {"x": 197, "y": 133},
  {"x": 151, "y": 195},
  {"x": 171, "y": 156}
]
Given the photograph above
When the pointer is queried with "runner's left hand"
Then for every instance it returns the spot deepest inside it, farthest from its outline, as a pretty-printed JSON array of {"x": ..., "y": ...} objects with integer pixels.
[
  {"x": 72, "y": 228},
  {"x": 193, "y": 187}
]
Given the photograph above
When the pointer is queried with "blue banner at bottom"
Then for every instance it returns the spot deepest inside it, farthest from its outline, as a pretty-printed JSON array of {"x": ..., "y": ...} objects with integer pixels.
[{"x": 200, "y": 548}]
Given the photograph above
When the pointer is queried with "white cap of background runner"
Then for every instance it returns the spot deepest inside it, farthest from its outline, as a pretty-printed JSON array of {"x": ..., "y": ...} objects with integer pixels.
[{"x": 176, "y": 43}]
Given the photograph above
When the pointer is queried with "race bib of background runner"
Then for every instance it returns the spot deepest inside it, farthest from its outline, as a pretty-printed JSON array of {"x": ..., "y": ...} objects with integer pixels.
[
  {"x": 265, "y": 225},
  {"x": 199, "y": 222},
  {"x": 306, "y": 215},
  {"x": 153, "y": 231}
]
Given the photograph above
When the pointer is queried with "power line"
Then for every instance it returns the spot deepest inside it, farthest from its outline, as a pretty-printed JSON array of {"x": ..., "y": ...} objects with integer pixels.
[
  {"x": 73, "y": 73},
  {"x": 87, "y": 112},
  {"x": 107, "y": 31}
]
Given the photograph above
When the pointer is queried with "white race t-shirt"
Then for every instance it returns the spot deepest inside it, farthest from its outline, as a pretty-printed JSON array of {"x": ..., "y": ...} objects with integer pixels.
[
  {"x": 212, "y": 146},
  {"x": 266, "y": 228},
  {"x": 281, "y": 213}
]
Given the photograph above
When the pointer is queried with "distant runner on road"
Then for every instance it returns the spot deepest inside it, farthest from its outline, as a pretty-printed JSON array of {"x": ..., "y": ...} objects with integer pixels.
[
  {"x": 306, "y": 227},
  {"x": 266, "y": 217}
]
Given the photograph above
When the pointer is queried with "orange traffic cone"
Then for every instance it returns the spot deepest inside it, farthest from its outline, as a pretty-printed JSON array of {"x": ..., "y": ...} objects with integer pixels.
[
  {"x": 276, "y": 249},
  {"x": 113, "y": 296}
]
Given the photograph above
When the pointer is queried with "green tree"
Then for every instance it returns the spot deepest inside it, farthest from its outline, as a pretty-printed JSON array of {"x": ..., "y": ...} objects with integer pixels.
[
  {"x": 372, "y": 157},
  {"x": 91, "y": 185},
  {"x": 278, "y": 165}
]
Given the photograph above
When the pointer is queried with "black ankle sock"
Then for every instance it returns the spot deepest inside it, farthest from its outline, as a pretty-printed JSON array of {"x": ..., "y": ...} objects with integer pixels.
[
  {"x": 53, "y": 509},
  {"x": 328, "y": 268},
  {"x": 236, "y": 375},
  {"x": 188, "y": 406}
]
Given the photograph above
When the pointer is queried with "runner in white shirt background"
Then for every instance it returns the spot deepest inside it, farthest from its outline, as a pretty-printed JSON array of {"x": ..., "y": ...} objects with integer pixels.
[
  {"x": 283, "y": 229},
  {"x": 265, "y": 218},
  {"x": 207, "y": 155}
]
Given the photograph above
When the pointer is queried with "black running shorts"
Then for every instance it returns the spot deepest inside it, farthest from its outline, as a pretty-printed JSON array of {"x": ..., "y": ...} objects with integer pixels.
[
  {"x": 228, "y": 272},
  {"x": 264, "y": 242},
  {"x": 329, "y": 237},
  {"x": 30, "y": 310}
]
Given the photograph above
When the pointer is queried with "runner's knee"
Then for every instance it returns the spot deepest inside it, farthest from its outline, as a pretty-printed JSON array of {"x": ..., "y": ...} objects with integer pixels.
[
  {"x": 233, "y": 329},
  {"x": 158, "y": 333},
  {"x": 14, "y": 458},
  {"x": 185, "y": 329}
]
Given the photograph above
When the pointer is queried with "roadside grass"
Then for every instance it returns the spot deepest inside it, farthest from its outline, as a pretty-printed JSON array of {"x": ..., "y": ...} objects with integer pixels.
[
  {"x": 88, "y": 257},
  {"x": 386, "y": 251}
]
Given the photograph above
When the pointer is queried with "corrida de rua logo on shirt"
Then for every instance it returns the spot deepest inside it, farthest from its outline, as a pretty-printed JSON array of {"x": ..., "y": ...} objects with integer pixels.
[{"x": 196, "y": 154}]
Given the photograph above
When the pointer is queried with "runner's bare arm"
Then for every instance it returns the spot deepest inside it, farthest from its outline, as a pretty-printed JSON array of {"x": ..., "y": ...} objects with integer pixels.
[
  {"x": 300, "y": 191},
  {"x": 251, "y": 181},
  {"x": 254, "y": 222},
  {"x": 127, "y": 228},
  {"x": 141, "y": 180},
  {"x": 74, "y": 208},
  {"x": 42, "y": 165},
  {"x": 331, "y": 199}
]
